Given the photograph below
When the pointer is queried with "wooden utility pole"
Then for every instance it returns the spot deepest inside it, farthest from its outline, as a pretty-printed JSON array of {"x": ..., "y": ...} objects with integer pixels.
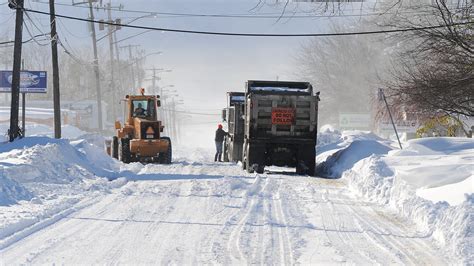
[
  {"x": 54, "y": 53},
  {"x": 130, "y": 57},
  {"x": 111, "y": 31},
  {"x": 96, "y": 68},
  {"x": 23, "y": 105},
  {"x": 14, "y": 131}
]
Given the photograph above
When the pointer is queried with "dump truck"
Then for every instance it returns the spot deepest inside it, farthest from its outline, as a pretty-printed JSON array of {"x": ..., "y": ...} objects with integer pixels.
[
  {"x": 139, "y": 139},
  {"x": 232, "y": 115},
  {"x": 280, "y": 126}
]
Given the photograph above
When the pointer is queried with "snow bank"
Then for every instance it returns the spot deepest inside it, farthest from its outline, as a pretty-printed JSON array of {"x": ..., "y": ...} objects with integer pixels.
[
  {"x": 450, "y": 226},
  {"x": 44, "y": 179},
  {"x": 429, "y": 182},
  {"x": 41, "y": 159},
  {"x": 11, "y": 191},
  {"x": 338, "y": 152}
]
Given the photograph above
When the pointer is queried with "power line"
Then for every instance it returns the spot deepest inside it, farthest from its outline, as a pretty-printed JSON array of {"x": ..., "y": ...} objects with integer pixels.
[
  {"x": 268, "y": 15},
  {"x": 253, "y": 34},
  {"x": 190, "y": 113},
  {"x": 27, "y": 41},
  {"x": 31, "y": 35}
]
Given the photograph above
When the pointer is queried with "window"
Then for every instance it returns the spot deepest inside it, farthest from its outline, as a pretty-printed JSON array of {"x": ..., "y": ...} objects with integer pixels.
[{"x": 143, "y": 108}]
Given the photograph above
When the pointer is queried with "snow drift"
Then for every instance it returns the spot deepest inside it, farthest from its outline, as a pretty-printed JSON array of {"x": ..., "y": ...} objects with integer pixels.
[
  {"x": 430, "y": 182},
  {"x": 339, "y": 152},
  {"x": 43, "y": 179}
]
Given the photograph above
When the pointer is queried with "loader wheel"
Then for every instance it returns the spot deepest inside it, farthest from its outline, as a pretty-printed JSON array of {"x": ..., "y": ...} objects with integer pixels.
[
  {"x": 114, "y": 147},
  {"x": 165, "y": 157},
  {"x": 124, "y": 150}
]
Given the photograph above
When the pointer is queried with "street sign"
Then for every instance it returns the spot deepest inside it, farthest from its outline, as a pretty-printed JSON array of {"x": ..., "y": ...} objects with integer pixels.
[
  {"x": 402, "y": 126},
  {"x": 30, "y": 81},
  {"x": 354, "y": 121}
]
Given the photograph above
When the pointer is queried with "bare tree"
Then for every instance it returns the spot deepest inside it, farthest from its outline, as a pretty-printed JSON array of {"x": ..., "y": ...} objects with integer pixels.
[
  {"x": 344, "y": 69},
  {"x": 434, "y": 72}
]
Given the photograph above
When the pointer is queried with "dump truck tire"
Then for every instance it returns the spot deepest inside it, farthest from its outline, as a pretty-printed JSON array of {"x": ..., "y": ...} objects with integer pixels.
[
  {"x": 166, "y": 157},
  {"x": 114, "y": 147},
  {"x": 249, "y": 161},
  {"x": 124, "y": 150},
  {"x": 226, "y": 150},
  {"x": 307, "y": 162}
]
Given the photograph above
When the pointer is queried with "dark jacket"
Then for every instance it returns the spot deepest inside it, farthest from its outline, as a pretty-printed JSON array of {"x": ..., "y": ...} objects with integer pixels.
[{"x": 220, "y": 134}]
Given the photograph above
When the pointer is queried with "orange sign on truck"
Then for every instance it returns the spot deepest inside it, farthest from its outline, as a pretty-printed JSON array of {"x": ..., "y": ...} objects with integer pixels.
[{"x": 283, "y": 116}]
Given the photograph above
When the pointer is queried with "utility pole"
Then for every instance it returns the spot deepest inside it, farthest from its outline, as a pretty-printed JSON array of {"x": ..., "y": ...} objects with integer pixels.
[
  {"x": 154, "y": 80},
  {"x": 14, "y": 131},
  {"x": 111, "y": 49},
  {"x": 54, "y": 53},
  {"x": 175, "y": 131},
  {"x": 23, "y": 104},
  {"x": 119, "y": 67},
  {"x": 96, "y": 68},
  {"x": 130, "y": 57}
]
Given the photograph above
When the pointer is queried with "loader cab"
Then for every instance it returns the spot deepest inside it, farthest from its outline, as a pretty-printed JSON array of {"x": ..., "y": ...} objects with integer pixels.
[{"x": 142, "y": 107}]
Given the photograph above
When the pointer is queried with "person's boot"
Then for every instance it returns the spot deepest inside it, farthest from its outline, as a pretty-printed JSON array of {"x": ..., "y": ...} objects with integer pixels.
[
  {"x": 215, "y": 158},
  {"x": 220, "y": 156}
]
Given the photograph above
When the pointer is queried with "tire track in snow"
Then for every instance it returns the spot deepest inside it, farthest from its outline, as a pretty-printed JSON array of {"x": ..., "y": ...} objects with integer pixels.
[
  {"x": 284, "y": 239},
  {"x": 233, "y": 245}
]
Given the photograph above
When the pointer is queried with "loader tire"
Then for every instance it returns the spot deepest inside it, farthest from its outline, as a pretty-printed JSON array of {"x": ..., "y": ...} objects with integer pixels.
[
  {"x": 114, "y": 147},
  {"x": 124, "y": 150},
  {"x": 166, "y": 157}
]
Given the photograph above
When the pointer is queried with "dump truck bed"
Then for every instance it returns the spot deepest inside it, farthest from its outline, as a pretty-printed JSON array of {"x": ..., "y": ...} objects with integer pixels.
[{"x": 281, "y": 110}]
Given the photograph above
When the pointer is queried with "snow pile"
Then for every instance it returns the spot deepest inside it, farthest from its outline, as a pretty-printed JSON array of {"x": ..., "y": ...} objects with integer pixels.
[
  {"x": 44, "y": 179},
  {"x": 11, "y": 191},
  {"x": 338, "y": 152},
  {"x": 41, "y": 159},
  {"x": 429, "y": 182}
]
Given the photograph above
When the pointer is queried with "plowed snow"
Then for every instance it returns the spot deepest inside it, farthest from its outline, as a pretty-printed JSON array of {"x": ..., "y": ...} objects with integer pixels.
[{"x": 197, "y": 212}]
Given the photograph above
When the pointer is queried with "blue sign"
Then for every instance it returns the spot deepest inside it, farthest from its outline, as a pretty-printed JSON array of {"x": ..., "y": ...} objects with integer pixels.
[{"x": 30, "y": 81}]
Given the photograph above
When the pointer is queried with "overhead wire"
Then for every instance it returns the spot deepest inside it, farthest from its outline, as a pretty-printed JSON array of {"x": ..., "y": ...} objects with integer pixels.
[
  {"x": 254, "y": 34},
  {"x": 265, "y": 15},
  {"x": 34, "y": 25},
  {"x": 32, "y": 37},
  {"x": 27, "y": 41}
]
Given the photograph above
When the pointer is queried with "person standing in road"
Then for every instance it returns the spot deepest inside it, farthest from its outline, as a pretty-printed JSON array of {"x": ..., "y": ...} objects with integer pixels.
[{"x": 220, "y": 134}]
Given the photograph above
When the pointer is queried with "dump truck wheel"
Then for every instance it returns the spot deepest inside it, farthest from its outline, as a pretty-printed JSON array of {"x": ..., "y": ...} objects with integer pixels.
[
  {"x": 260, "y": 169},
  {"x": 124, "y": 150},
  {"x": 306, "y": 162},
  {"x": 249, "y": 161},
  {"x": 226, "y": 149},
  {"x": 311, "y": 160},
  {"x": 114, "y": 147},
  {"x": 244, "y": 157},
  {"x": 166, "y": 157}
]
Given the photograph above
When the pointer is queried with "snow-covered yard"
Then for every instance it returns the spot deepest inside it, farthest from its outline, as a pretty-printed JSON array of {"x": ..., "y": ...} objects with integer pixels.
[{"x": 65, "y": 201}]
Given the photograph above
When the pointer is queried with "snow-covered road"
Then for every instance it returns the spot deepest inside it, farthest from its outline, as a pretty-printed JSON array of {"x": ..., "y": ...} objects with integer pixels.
[{"x": 202, "y": 213}]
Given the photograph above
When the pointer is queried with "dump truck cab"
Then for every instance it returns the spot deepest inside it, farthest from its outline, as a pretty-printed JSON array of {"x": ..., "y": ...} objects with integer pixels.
[
  {"x": 140, "y": 139},
  {"x": 232, "y": 115}
]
